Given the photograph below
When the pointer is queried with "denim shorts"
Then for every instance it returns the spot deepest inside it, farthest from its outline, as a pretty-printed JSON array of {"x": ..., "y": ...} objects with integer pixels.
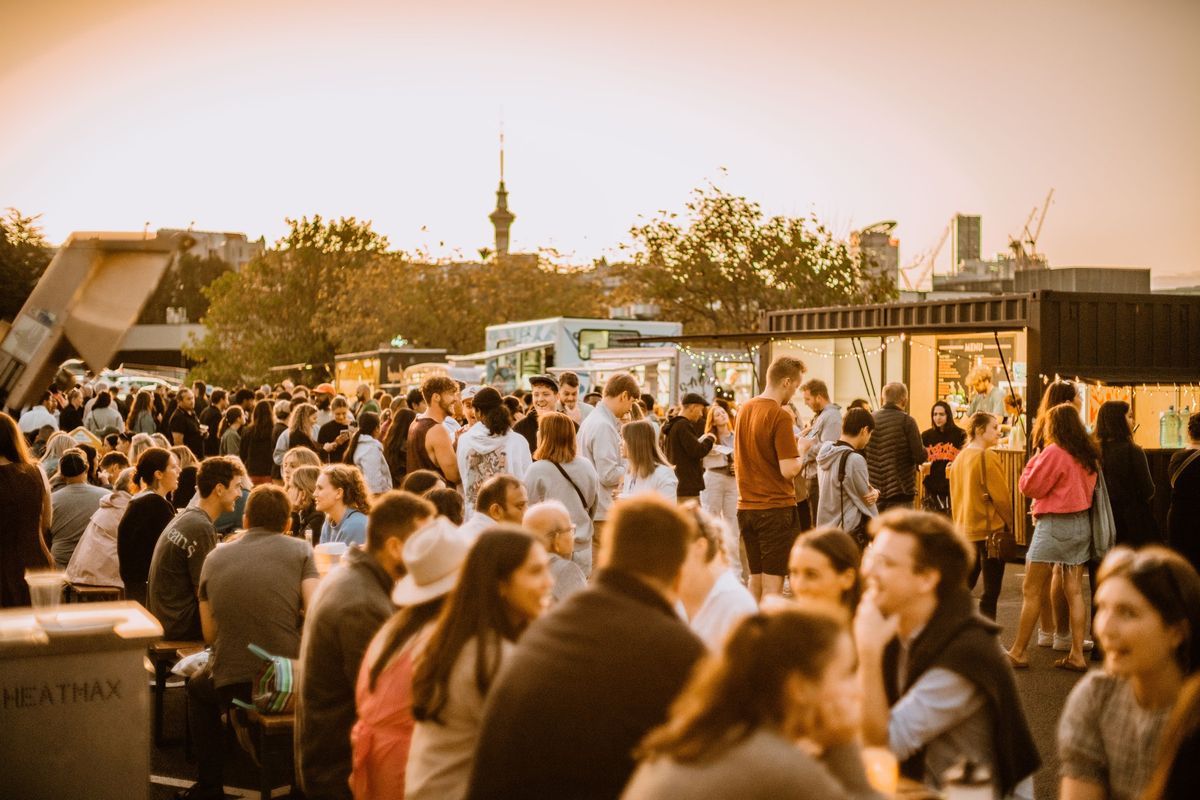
[{"x": 1061, "y": 539}]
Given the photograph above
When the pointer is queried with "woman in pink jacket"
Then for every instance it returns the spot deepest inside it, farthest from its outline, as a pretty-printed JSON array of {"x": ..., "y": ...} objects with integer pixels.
[{"x": 1060, "y": 479}]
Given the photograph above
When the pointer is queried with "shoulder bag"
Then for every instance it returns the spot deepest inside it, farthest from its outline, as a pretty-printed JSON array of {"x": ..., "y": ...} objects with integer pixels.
[
  {"x": 859, "y": 533},
  {"x": 1187, "y": 462},
  {"x": 591, "y": 510},
  {"x": 1100, "y": 516},
  {"x": 1001, "y": 544}
]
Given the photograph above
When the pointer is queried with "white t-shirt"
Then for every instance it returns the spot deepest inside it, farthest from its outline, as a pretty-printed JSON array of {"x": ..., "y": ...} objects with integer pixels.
[{"x": 727, "y": 603}]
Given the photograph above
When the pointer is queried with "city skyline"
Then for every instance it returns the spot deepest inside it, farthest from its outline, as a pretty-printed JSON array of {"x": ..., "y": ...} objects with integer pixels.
[{"x": 236, "y": 116}]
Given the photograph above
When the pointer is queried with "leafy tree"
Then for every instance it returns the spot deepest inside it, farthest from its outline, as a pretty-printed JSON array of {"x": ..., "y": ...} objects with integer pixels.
[
  {"x": 24, "y": 256},
  {"x": 449, "y": 304},
  {"x": 730, "y": 263},
  {"x": 182, "y": 287},
  {"x": 280, "y": 308}
]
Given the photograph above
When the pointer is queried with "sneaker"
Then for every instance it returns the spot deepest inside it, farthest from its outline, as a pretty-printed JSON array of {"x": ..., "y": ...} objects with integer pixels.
[
  {"x": 1063, "y": 643},
  {"x": 1045, "y": 639}
]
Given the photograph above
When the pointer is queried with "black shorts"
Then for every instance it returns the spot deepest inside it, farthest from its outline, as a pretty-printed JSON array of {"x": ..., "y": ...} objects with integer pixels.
[{"x": 769, "y": 535}]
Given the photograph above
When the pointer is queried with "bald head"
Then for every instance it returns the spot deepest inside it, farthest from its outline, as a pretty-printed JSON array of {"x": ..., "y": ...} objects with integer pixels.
[{"x": 550, "y": 523}]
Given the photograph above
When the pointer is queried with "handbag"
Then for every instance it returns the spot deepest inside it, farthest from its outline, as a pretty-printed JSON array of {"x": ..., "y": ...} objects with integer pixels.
[
  {"x": 274, "y": 690},
  {"x": 1001, "y": 544},
  {"x": 1100, "y": 516}
]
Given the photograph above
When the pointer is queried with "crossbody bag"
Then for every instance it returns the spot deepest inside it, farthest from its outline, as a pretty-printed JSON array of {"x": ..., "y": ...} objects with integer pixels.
[{"x": 591, "y": 510}]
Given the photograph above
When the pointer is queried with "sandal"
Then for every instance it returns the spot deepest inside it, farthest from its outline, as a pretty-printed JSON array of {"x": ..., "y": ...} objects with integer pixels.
[
  {"x": 1014, "y": 663},
  {"x": 1065, "y": 663}
]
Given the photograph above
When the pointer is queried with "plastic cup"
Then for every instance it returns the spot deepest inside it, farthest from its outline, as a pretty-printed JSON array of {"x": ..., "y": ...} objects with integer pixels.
[
  {"x": 45, "y": 587},
  {"x": 883, "y": 771}
]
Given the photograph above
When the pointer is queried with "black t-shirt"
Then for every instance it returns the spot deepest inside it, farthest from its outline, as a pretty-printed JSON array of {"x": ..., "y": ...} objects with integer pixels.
[
  {"x": 329, "y": 433},
  {"x": 211, "y": 416},
  {"x": 185, "y": 422}
]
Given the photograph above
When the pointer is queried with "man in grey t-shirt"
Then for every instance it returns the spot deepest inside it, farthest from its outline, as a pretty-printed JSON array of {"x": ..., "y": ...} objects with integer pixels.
[
  {"x": 183, "y": 547},
  {"x": 252, "y": 591},
  {"x": 74, "y": 503}
]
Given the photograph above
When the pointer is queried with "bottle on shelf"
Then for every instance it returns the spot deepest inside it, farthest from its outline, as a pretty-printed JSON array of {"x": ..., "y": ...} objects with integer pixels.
[
  {"x": 1168, "y": 428},
  {"x": 1185, "y": 416}
]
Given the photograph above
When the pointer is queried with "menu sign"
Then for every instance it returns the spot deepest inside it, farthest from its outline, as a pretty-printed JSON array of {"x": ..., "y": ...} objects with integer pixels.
[{"x": 956, "y": 357}]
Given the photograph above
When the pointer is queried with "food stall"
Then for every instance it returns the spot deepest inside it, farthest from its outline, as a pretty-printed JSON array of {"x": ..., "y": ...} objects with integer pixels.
[
  {"x": 1144, "y": 348},
  {"x": 379, "y": 369}
]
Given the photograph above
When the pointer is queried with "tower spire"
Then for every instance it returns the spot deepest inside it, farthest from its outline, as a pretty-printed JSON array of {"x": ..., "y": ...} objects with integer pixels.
[{"x": 502, "y": 218}]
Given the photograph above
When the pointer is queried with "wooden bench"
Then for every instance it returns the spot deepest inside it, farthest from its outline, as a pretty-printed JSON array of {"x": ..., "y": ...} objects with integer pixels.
[
  {"x": 82, "y": 593},
  {"x": 271, "y": 739},
  {"x": 163, "y": 655}
]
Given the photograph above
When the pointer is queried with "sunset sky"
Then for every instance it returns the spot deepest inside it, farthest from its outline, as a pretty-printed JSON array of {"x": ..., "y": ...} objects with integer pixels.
[{"x": 233, "y": 115}]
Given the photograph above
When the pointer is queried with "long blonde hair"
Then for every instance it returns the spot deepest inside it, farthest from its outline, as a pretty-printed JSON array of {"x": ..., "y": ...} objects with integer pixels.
[{"x": 641, "y": 448}]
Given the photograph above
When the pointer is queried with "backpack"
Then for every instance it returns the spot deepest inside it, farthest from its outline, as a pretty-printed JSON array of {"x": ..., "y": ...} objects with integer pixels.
[{"x": 860, "y": 531}]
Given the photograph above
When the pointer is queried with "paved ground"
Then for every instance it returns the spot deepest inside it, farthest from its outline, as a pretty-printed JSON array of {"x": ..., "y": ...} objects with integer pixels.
[{"x": 1043, "y": 691}]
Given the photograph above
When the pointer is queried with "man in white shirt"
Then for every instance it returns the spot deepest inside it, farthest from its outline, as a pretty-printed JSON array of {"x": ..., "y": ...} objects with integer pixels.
[
  {"x": 39, "y": 416},
  {"x": 501, "y": 499},
  {"x": 600, "y": 442}
]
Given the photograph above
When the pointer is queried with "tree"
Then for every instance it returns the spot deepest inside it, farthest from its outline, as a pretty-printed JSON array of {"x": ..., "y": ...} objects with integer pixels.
[
  {"x": 281, "y": 307},
  {"x": 182, "y": 287},
  {"x": 450, "y": 304},
  {"x": 24, "y": 256},
  {"x": 731, "y": 263}
]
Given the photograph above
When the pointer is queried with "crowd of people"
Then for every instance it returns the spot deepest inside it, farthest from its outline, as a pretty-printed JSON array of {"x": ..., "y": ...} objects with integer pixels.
[{"x": 544, "y": 595}]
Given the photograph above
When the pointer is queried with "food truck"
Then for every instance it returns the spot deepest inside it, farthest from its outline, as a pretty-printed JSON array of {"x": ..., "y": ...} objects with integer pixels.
[{"x": 516, "y": 350}]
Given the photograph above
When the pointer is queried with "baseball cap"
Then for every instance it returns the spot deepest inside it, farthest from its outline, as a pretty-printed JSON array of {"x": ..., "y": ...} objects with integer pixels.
[
  {"x": 693, "y": 399},
  {"x": 544, "y": 380}
]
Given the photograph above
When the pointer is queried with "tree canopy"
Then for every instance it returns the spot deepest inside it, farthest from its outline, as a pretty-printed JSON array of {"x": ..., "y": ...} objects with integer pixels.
[
  {"x": 24, "y": 256},
  {"x": 183, "y": 287},
  {"x": 279, "y": 307},
  {"x": 731, "y": 262}
]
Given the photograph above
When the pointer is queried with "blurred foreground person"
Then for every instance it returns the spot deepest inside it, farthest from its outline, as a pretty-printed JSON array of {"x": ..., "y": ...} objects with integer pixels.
[
  {"x": 25, "y": 501},
  {"x": 711, "y": 598},
  {"x": 587, "y": 681},
  {"x": 937, "y": 687},
  {"x": 382, "y": 736},
  {"x": 505, "y": 585},
  {"x": 352, "y": 604},
  {"x": 783, "y": 676},
  {"x": 824, "y": 565},
  {"x": 1148, "y": 623}
]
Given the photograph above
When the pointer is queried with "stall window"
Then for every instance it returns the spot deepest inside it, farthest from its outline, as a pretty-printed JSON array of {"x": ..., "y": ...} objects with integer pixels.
[{"x": 592, "y": 340}]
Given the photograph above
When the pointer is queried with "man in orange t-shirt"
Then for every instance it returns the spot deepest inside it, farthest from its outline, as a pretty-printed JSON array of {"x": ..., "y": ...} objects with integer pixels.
[{"x": 766, "y": 459}]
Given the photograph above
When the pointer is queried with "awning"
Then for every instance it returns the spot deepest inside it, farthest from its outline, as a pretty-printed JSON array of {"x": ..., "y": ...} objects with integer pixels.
[
  {"x": 488, "y": 355},
  {"x": 609, "y": 366}
]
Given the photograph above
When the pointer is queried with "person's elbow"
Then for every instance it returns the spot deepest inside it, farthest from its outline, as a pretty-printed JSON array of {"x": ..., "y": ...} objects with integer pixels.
[{"x": 789, "y": 467}]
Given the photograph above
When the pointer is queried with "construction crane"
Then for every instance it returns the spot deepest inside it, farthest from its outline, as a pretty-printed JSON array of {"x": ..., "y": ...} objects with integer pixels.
[
  {"x": 1031, "y": 259},
  {"x": 925, "y": 263}
]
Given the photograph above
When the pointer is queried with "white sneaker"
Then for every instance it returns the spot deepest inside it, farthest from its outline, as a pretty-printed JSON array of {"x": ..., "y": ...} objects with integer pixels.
[
  {"x": 1063, "y": 643},
  {"x": 1045, "y": 639}
]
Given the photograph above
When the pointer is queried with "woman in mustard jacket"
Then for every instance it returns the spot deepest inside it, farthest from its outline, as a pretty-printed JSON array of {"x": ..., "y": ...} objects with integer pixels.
[{"x": 981, "y": 501}]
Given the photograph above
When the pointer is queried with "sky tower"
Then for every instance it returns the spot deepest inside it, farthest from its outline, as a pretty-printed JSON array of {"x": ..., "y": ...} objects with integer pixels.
[{"x": 502, "y": 218}]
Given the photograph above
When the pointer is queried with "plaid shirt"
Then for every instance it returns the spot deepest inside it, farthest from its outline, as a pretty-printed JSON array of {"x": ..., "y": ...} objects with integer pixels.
[{"x": 1106, "y": 738}]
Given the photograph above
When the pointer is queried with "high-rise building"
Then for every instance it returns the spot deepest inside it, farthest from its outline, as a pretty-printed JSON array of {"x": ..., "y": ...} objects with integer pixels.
[
  {"x": 882, "y": 251},
  {"x": 965, "y": 240}
]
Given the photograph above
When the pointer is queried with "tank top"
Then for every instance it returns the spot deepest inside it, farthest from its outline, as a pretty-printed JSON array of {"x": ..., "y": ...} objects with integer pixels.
[{"x": 418, "y": 456}]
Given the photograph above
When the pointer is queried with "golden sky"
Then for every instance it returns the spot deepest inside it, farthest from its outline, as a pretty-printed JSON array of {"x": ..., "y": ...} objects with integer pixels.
[{"x": 233, "y": 115}]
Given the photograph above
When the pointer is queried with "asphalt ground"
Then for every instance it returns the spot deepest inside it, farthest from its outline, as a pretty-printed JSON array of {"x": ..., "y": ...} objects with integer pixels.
[{"x": 1043, "y": 689}]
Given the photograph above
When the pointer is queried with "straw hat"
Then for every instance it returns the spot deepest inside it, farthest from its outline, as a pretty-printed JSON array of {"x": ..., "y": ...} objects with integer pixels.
[{"x": 433, "y": 556}]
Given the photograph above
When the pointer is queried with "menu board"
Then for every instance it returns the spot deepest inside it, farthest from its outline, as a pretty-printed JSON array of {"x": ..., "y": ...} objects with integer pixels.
[{"x": 956, "y": 357}]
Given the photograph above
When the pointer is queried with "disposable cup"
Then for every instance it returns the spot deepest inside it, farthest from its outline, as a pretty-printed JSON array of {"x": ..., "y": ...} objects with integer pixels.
[{"x": 45, "y": 587}]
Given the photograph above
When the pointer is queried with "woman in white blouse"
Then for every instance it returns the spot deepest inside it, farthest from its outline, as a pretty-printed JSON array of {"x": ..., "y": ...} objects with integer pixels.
[{"x": 648, "y": 468}]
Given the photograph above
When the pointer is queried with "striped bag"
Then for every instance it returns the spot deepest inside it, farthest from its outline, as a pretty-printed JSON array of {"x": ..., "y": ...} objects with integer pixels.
[{"x": 274, "y": 691}]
